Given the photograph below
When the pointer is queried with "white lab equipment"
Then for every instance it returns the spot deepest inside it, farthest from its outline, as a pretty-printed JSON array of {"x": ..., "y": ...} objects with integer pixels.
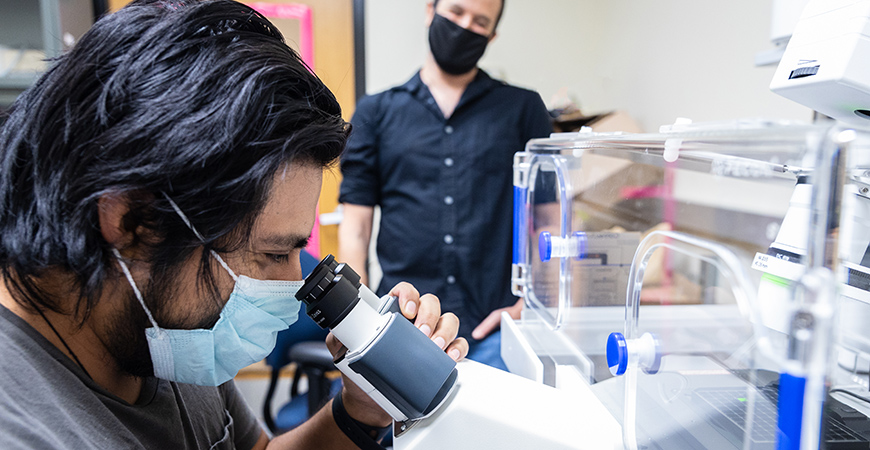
[
  {"x": 697, "y": 351},
  {"x": 855, "y": 290},
  {"x": 825, "y": 68},
  {"x": 646, "y": 323},
  {"x": 782, "y": 264},
  {"x": 826, "y": 62},
  {"x": 784, "y": 17}
]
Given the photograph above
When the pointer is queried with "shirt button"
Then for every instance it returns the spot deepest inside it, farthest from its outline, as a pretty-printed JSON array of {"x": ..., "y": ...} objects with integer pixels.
[
  {"x": 448, "y": 239},
  {"x": 451, "y": 279},
  {"x": 448, "y": 162},
  {"x": 448, "y": 200},
  {"x": 448, "y": 129},
  {"x": 431, "y": 101}
]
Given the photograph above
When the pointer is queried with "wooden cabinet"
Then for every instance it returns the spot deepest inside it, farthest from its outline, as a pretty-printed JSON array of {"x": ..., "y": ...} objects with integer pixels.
[{"x": 333, "y": 38}]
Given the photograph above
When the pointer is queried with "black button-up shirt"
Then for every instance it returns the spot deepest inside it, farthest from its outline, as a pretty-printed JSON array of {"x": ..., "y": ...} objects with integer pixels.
[{"x": 445, "y": 187}]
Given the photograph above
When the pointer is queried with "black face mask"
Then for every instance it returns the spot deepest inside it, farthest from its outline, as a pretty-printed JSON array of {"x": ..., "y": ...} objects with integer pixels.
[{"x": 456, "y": 50}]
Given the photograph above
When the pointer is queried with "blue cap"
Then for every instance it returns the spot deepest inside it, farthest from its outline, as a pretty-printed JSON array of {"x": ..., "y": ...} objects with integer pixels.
[
  {"x": 545, "y": 246},
  {"x": 617, "y": 354},
  {"x": 580, "y": 238}
]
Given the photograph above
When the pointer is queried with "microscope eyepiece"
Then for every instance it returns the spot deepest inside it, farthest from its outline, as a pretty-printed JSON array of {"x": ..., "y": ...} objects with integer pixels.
[{"x": 330, "y": 292}]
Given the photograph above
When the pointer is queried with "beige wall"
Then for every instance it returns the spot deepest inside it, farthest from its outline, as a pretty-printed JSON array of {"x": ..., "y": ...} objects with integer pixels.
[{"x": 658, "y": 60}]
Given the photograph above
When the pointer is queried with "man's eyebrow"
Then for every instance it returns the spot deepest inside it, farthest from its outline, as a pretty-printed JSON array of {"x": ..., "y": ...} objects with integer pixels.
[{"x": 284, "y": 241}]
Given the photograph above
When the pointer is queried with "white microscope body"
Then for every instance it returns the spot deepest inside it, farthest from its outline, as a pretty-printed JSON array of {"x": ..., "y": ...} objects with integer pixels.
[
  {"x": 826, "y": 67},
  {"x": 436, "y": 403},
  {"x": 827, "y": 61}
]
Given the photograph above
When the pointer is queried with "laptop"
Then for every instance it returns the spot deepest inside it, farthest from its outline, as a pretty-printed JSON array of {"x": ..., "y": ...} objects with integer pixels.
[
  {"x": 697, "y": 404},
  {"x": 844, "y": 427}
]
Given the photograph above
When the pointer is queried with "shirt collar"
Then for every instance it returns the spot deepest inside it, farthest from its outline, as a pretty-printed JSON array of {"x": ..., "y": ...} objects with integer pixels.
[{"x": 480, "y": 85}]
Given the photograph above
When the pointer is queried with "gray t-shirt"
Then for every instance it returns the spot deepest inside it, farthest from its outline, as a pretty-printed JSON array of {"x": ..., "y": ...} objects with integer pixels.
[{"x": 47, "y": 402}]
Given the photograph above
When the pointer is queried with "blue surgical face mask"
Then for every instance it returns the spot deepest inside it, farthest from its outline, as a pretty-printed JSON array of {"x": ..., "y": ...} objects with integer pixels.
[{"x": 244, "y": 334}]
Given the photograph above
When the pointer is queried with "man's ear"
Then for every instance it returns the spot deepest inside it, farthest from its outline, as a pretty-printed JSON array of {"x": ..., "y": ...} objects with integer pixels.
[
  {"x": 491, "y": 37},
  {"x": 112, "y": 208},
  {"x": 430, "y": 13}
]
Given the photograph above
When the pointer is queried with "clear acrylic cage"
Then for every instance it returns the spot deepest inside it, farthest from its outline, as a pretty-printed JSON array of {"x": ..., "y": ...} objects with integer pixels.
[{"x": 697, "y": 278}]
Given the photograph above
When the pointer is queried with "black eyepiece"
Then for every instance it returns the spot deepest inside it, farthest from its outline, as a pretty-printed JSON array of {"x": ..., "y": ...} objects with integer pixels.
[{"x": 330, "y": 292}]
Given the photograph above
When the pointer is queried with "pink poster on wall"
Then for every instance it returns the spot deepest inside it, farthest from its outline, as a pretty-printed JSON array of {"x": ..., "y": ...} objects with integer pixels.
[{"x": 294, "y": 21}]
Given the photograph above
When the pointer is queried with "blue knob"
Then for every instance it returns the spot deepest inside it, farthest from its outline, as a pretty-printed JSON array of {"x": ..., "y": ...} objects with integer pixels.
[
  {"x": 545, "y": 246},
  {"x": 580, "y": 245},
  {"x": 617, "y": 354}
]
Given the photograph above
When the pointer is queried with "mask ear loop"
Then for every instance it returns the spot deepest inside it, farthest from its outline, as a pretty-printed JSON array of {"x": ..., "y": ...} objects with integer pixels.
[
  {"x": 199, "y": 236},
  {"x": 138, "y": 294},
  {"x": 225, "y": 266}
]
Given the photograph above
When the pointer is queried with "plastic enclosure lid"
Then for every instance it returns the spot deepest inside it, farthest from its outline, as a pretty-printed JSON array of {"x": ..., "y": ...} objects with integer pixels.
[
  {"x": 690, "y": 306},
  {"x": 718, "y": 164}
]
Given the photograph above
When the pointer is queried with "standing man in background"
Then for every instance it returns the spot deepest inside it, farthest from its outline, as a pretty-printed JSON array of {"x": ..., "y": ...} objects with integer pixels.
[{"x": 436, "y": 155}]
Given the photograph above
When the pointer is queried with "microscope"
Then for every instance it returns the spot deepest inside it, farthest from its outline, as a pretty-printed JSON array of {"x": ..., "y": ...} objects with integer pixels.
[
  {"x": 825, "y": 64},
  {"x": 436, "y": 403},
  {"x": 855, "y": 287},
  {"x": 825, "y": 68}
]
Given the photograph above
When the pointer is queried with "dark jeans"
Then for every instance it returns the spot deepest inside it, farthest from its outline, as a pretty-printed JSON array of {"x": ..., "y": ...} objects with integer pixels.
[{"x": 488, "y": 351}]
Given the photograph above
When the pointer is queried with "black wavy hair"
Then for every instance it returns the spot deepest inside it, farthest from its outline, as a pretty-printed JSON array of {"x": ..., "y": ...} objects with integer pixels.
[{"x": 201, "y": 100}]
